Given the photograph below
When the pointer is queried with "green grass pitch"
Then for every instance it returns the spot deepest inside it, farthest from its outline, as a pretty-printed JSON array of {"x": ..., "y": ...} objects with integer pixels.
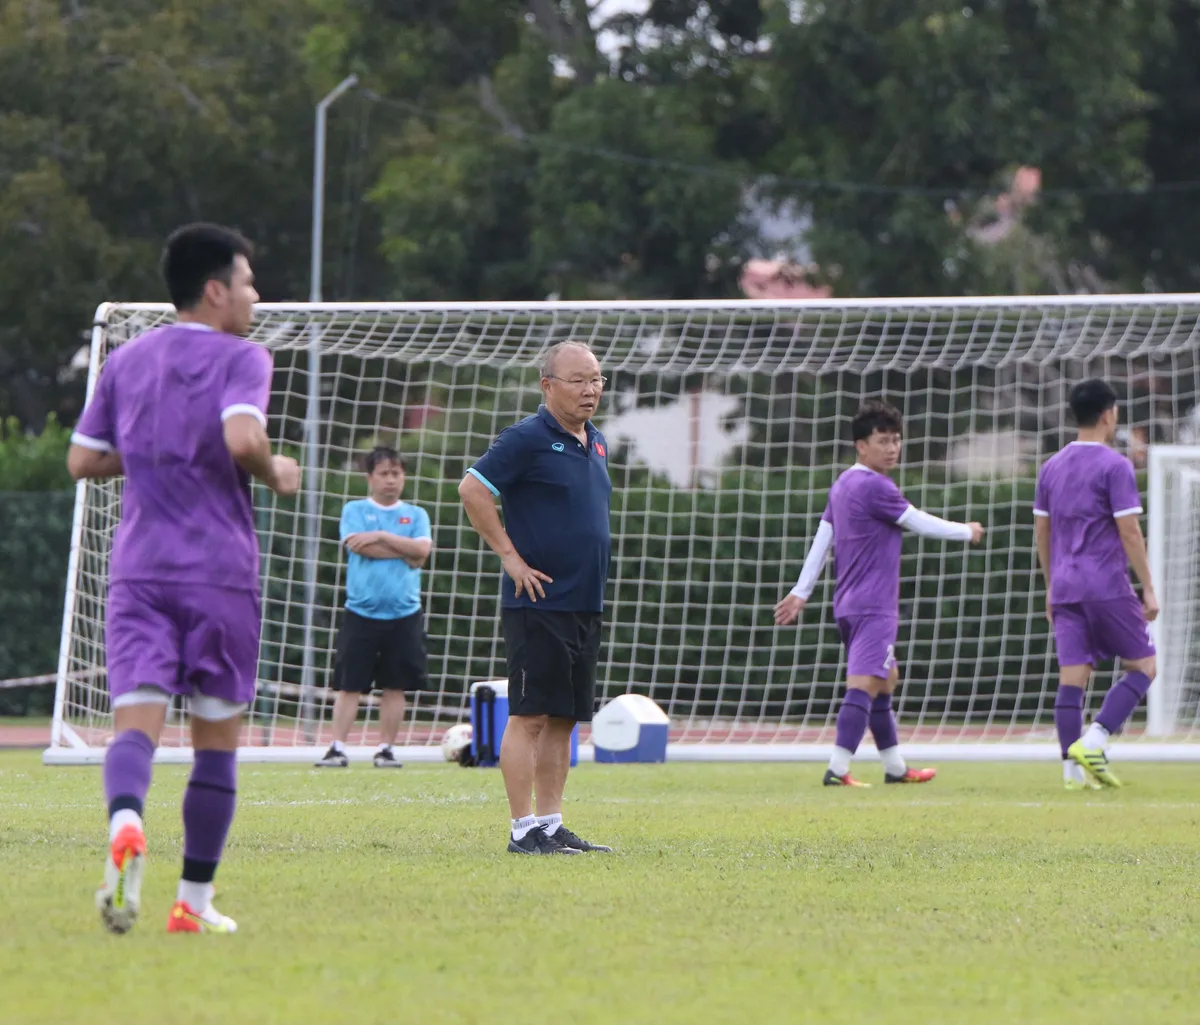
[{"x": 739, "y": 893}]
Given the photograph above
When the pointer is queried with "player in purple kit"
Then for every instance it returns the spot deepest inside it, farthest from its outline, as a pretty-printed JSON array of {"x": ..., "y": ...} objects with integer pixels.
[
  {"x": 863, "y": 522},
  {"x": 1086, "y": 511},
  {"x": 181, "y": 412}
]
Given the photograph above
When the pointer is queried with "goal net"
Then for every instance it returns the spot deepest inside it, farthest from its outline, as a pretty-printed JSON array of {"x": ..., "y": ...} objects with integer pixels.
[{"x": 727, "y": 423}]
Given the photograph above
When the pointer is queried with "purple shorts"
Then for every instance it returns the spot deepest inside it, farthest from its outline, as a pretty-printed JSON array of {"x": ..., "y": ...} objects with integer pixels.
[
  {"x": 185, "y": 638},
  {"x": 1094, "y": 631},
  {"x": 870, "y": 641}
]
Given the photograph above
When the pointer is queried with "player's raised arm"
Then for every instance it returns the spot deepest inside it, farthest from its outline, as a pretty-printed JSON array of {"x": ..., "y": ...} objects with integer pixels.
[
  {"x": 787, "y": 611},
  {"x": 928, "y": 525}
]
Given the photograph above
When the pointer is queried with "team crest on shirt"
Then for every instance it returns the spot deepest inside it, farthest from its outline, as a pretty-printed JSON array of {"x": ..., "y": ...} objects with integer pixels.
[
  {"x": 405, "y": 520},
  {"x": 558, "y": 446},
  {"x": 600, "y": 450}
]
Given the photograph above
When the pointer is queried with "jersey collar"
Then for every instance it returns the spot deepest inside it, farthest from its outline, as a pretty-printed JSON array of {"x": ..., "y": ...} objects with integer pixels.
[{"x": 589, "y": 428}]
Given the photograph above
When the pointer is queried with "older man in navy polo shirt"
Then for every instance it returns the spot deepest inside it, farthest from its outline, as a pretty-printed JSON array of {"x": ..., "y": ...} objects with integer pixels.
[{"x": 550, "y": 472}]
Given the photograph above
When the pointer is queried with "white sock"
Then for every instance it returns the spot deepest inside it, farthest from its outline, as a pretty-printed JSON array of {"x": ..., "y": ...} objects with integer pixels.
[
  {"x": 893, "y": 761},
  {"x": 121, "y": 819},
  {"x": 385, "y": 747},
  {"x": 1072, "y": 772},
  {"x": 197, "y": 895},
  {"x": 1095, "y": 737},
  {"x": 840, "y": 762},
  {"x": 550, "y": 823},
  {"x": 339, "y": 747},
  {"x": 522, "y": 826}
]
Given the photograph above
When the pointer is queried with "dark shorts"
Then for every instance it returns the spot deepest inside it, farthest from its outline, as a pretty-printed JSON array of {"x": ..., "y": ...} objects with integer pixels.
[
  {"x": 552, "y": 662},
  {"x": 183, "y": 638},
  {"x": 389, "y": 653},
  {"x": 870, "y": 641},
  {"x": 1088, "y": 632}
]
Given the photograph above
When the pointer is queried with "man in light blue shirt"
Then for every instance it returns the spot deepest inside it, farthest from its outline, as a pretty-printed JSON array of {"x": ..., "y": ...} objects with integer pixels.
[{"x": 382, "y": 640}]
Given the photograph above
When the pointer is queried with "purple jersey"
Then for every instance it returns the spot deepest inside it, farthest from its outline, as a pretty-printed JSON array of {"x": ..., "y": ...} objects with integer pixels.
[
  {"x": 161, "y": 400},
  {"x": 863, "y": 509},
  {"x": 1084, "y": 490}
]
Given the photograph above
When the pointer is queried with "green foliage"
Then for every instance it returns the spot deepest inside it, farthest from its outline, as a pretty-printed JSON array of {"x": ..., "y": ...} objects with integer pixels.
[
  {"x": 34, "y": 462},
  {"x": 35, "y": 540}
]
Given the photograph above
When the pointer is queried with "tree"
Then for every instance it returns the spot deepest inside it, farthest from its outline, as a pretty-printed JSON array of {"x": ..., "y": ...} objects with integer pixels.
[{"x": 908, "y": 106}]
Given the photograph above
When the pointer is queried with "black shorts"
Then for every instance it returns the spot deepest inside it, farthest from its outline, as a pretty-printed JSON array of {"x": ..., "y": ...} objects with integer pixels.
[
  {"x": 387, "y": 652},
  {"x": 552, "y": 662}
]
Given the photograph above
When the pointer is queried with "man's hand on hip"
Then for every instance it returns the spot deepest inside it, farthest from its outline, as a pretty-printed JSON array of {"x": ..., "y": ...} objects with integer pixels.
[{"x": 525, "y": 576}]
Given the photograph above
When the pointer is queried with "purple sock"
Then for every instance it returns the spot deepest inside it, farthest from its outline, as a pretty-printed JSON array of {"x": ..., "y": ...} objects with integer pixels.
[
  {"x": 852, "y": 719},
  {"x": 883, "y": 723},
  {"x": 208, "y": 805},
  {"x": 1124, "y": 696},
  {"x": 1068, "y": 716},
  {"x": 127, "y": 771}
]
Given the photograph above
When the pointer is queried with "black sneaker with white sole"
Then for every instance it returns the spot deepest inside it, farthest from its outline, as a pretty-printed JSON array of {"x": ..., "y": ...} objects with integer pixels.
[
  {"x": 537, "y": 842},
  {"x": 333, "y": 759},
  {"x": 384, "y": 759},
  {"x": 577, "y": 843}
]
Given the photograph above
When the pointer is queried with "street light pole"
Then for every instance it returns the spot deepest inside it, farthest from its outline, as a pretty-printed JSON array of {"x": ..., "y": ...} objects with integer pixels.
[{"x": 312, "y": 439}]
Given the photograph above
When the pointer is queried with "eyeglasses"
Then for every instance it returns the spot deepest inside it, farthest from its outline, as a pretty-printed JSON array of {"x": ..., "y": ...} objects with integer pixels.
[{"x": 580, "y": 382}]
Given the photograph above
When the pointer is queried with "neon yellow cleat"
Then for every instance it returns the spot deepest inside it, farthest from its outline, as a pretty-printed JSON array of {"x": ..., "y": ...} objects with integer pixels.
[{"x": 1094, "y": 762}]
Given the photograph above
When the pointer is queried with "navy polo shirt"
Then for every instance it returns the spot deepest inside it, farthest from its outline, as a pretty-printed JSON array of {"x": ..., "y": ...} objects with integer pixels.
[{"x": 555, "y": 494}]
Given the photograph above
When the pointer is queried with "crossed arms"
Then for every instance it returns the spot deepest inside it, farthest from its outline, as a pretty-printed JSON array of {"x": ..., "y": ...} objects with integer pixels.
[{"x": 379, "y": 544}]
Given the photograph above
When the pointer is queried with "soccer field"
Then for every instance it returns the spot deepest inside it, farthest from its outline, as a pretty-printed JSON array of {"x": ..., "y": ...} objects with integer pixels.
[{"x": 740, "y": 893}]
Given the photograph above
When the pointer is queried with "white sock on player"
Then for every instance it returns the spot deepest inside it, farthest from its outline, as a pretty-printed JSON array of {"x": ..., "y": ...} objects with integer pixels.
[
  {"x": 1096, "y": 737},
  {"x": 339, "y": 747},
  {"x": 522, "y": 826},
  {"x": 1072, "y": 772},
  {"x": 550, "y": 823},
  {"x": 893, "y": 761},
  {"x": 840, "y": 762},
  {"x": 197, "y": 896},
  {"x": 121, "y": 819}
]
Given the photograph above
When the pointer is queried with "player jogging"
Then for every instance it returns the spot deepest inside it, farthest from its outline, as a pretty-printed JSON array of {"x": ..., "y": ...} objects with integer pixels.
[
  {"x": 1086, "y": 511},
  {"x": 863, "y": 523},
  {"x": 181, "y": 411}
]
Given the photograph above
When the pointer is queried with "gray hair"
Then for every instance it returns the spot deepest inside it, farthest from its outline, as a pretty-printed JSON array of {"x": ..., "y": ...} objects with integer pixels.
[{"x": 550, "y": 356}]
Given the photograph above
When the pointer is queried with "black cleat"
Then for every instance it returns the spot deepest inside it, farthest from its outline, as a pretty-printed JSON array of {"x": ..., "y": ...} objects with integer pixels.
[
  {"x": 537, "y": 842},
  {"x": 568, "y": 839},
  {"x": 333, "y": 759},
  {"x": 384, "y": 759}
]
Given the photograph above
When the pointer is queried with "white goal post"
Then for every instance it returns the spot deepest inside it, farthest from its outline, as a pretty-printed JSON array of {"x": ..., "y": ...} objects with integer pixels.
[{"x": 727, "y": 421}]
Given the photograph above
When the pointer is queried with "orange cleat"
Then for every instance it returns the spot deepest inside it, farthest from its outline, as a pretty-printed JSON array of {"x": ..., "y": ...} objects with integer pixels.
[
  {"x": 842, "y": 781},
  {"x": 911, "y": 776},
  {"x": 184, "y": 919}
]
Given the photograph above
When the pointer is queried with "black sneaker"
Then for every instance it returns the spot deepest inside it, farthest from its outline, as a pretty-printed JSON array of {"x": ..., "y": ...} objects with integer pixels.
[
  {"x": 333, "y": 759},
  {"x": 576, "y": 843},
  {"x": 384, "y": 759},
  {"x": 537, "y": 842}
]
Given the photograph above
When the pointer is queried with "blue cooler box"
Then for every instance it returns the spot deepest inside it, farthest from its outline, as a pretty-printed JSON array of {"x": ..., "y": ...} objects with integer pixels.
[{"x": 489, "y": 716}]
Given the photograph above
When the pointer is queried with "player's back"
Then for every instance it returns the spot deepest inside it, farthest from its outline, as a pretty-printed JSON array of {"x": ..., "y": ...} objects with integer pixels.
[
  {"x": 1084, "y": 489},
  {"x": 187, "y": 515},
  {"x": 863, "y": 509}
]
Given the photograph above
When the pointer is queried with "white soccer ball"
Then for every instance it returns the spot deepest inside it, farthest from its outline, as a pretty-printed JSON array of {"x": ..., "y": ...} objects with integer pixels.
[{"x": 455, "y": 740}]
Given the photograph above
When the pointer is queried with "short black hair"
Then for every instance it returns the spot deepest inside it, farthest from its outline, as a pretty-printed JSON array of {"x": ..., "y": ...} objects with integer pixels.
[
  {"x": 197, "y": 253},
  {"x": 382, "y": 454},
  {"x": 875, "y": 415},
  {"x": 1090, "y": 400}
]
